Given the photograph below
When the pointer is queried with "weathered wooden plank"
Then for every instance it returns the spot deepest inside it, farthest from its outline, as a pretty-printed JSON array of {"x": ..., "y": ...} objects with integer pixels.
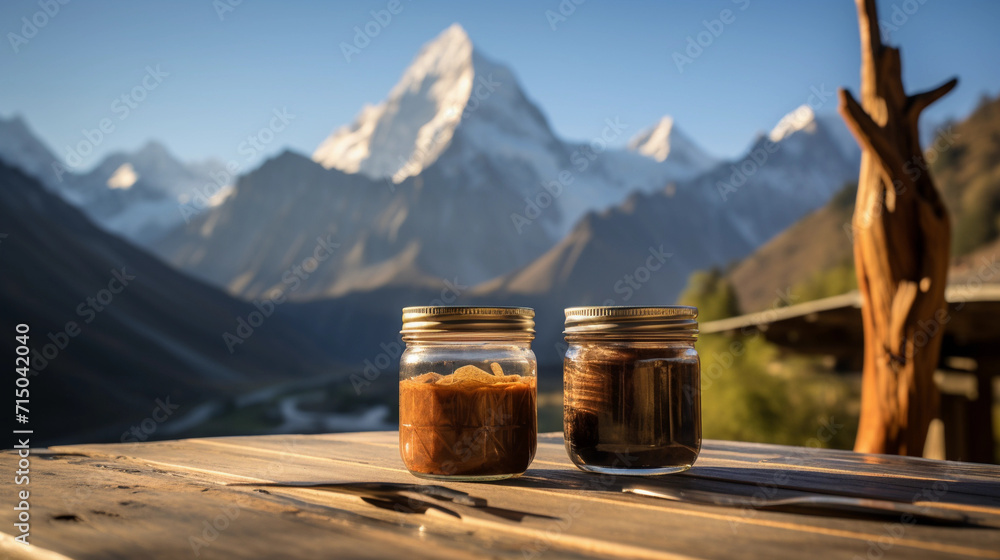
[
  {"x": 601, "y": 519},
  {"x": 803, "y": 469},
  {"x": 770, "y": 480},
  {"x": 93, "y": 507},
  {"x": 894, "y": 465},
  {"x": 754, "y": 453}
]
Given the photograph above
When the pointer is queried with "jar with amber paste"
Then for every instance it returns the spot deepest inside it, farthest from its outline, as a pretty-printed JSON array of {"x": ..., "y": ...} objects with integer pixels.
[
  {"x": 467, "y": 392},
  {"x": 632, "y": 389}
]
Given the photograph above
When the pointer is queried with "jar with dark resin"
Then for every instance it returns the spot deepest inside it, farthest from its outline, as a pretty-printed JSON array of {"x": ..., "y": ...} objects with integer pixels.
[{"x": 632, "y": 389}]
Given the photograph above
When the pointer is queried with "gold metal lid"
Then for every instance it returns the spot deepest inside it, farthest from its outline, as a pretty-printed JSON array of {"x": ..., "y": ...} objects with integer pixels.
[
  {"x": 633, "y": 323},
  {"x": 467, "y": 319}
]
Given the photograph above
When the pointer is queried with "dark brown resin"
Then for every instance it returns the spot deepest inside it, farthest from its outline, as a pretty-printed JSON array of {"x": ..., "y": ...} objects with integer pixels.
[{"x": 632, "y": 408}]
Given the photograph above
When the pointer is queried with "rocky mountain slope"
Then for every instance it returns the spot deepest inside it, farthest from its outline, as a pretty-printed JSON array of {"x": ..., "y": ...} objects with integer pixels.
[
  {"x": 139, "y": 195},
  {"x": 457, "y": 175},
  {"x": 114, "y": 331},
  {"x": 965, "y": 160}
]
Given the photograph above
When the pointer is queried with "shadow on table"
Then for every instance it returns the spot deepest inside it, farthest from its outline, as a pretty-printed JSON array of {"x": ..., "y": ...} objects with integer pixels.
[
  {"x": 751, "y": 485},
  {"x": 859, "y": 485}
]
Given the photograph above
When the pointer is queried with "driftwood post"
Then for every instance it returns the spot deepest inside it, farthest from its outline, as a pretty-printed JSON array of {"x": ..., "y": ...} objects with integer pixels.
[{"x": 901, "y": 244}]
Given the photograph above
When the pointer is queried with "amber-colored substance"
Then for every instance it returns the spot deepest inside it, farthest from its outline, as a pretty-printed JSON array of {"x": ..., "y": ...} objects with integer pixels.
[{"x": 469, "y": 423}]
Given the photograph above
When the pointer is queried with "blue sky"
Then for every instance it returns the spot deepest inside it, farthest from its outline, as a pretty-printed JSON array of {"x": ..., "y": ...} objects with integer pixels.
[{"x": 606, "y": 59}]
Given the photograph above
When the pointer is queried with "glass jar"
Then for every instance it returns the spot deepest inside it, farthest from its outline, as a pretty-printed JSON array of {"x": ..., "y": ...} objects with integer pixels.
[
  {"x": 632, "y": 389},
  {"x": 467, "y": 392}
]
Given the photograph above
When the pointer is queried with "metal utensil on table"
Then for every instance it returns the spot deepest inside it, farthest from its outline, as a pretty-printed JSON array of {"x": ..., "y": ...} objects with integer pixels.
[{"x": 818, "y": 503}]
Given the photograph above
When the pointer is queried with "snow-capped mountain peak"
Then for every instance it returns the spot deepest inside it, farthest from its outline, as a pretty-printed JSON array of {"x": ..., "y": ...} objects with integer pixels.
[
  {"x": 446, "y": 60},
  {"x": 802, "y": 118},
  {"x": 445, "y": 84},
  {"x": 123, "y": 177},
  {"x": 664, "y": 139},
  {"x": 403, "y": 134},
  {"x": 655, "y": 140},
  {"x": 155, "y": 160}
]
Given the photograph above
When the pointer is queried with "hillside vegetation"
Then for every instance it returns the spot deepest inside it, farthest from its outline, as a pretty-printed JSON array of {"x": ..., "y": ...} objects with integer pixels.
[
  {"x": 814, "y": 258},
  {"x": 752, "y": 392},
  {"x": 965, "y": 161}
]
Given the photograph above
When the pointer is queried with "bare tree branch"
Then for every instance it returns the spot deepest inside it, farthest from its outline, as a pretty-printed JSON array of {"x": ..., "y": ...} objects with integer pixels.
[
  {"x": 916, "y": 103},
  {"x": 872, "y": 138},
  {"x": 901, "y": 258}
]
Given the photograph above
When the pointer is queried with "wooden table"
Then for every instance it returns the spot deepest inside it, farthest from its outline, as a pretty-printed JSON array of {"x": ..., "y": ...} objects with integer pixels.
[{"x": 190, "y": 498}]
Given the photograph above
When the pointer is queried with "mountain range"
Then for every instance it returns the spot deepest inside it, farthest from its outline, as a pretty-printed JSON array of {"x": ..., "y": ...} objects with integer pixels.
[
  {"x": 814, "y": 257},
  {"x": 114, "y": 331},
  {"x": 458, "y": 176},
  {"x": 456, "y": 189},
  {"x": 139, "y": 195}
]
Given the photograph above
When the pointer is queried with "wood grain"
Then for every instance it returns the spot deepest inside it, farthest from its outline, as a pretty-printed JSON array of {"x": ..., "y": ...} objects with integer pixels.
[
  {"x": 160, "y": 499},
  {"x": 901, "y": 236}
]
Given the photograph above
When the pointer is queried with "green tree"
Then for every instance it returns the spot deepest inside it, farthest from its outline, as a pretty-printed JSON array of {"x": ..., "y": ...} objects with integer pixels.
[
  {"x": 752, "y": 392},
  {"x": 825, "y": 283},
  {"x": 712, "y": 294}
]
